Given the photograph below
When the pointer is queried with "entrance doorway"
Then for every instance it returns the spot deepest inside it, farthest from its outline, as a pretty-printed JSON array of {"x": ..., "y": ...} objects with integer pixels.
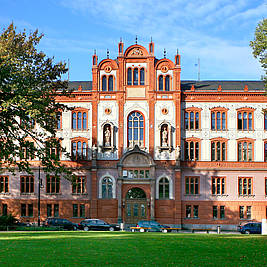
[{"x": 135, "y": 205}]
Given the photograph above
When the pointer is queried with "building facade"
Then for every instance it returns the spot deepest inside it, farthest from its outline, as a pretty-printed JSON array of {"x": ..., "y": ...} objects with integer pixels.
[{"x": 146, "y": 145}]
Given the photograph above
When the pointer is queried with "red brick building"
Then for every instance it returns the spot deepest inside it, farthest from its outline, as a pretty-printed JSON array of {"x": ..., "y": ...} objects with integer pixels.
[{"x": 146, "y": 145}]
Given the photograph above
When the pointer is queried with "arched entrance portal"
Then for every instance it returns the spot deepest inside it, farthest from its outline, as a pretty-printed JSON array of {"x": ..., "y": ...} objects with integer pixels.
[{"x": 135, "y": 205}]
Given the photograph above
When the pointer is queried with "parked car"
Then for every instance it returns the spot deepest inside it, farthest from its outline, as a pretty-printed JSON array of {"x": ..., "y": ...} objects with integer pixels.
[
  {"x": 97, "y": 225},
  {"x": 250, "y": 228},
  {"x": 62, "y": 223},
  {"x": 152, "y": 226}
]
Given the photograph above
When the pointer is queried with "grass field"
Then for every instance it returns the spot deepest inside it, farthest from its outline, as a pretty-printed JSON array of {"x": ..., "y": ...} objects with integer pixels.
[{"x": 130, "y": 249}]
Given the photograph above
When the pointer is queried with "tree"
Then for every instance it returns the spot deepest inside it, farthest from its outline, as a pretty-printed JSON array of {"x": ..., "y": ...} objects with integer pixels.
[
  {"x": 259, "y": 46},
  {"x": 29, "y": 82}
]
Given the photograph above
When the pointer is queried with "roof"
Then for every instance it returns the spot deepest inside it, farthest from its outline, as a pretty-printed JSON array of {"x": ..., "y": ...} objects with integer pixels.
[
  {"x": 204, "y": 86},
  {"x": 86, "y": 85},
  {"x": 201, "y": 86}
]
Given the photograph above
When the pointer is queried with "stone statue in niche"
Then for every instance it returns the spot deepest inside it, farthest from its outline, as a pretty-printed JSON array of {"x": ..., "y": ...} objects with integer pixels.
[
  {"x": 107, "y": 136},
  {"x": 94, "y": 151},
  {"x": 178, "y": 153},
  {"x": 164, "y": 136}
]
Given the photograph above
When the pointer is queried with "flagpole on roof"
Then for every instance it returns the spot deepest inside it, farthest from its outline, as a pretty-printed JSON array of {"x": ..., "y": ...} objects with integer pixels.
[
  {"x": 68, "y": 69},
  {"x": 198, "y": 62}
]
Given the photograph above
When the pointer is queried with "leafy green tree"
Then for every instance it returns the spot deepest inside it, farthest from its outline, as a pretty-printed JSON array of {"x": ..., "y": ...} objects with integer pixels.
[
  {"x": 259, "y": 46},
  {"x": 29, "y": 82}
]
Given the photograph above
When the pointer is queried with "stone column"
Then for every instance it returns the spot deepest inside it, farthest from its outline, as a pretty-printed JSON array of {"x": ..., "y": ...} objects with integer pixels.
[
  {"x": 152, "y": 200},
  {"x": 119, "y": 184}
]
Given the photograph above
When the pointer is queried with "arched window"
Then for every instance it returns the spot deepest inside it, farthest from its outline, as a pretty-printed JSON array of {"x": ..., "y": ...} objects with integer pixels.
[
  {"x": 129, "y": 76},
  {"x": 135, "y": 76},
  {"x": 167, "y": 83},
  {"x": 160, "y": 83},
  {"x": 104, "y": 83},
  {"x": 142, "y": 76},
  {"x": 164, "y": 188},
  {"x": 107, "y": 185},
  {"x": 135, "y": 129},
  {"x": 110, "y": 83}
]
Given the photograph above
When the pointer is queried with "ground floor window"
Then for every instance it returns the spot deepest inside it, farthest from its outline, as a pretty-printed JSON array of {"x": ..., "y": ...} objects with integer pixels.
[
  {"x": 216, "y": 209},
  {"x": 189, "y": 209},
  {"x": 52, "y": 210},
  {"x": 26, "y": 210},
  {"x": 4, "y": 209},
  {"x": 245, "y": 212},
  {"x": 79, "y": 210}
]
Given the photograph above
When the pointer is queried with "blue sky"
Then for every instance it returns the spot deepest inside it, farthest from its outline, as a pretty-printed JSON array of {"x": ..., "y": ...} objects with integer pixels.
[{"x": 216, "y": 31}]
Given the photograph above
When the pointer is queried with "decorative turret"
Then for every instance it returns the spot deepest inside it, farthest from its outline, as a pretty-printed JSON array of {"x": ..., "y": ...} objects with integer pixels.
[
  {"x": 177, "y": 58},
  {"x": 94, "y": 59},
  {"x": 151, "y": 48},
  {"x": 120, "y": 46}
]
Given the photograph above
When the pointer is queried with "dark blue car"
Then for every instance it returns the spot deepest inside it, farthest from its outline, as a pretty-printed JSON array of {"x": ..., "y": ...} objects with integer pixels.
[
  {"x": 152, "y": 226},
  {"x": 250, "y": 228}
]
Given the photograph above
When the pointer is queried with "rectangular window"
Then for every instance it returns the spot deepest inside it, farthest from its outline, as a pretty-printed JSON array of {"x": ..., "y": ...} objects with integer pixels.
[
  {"x": 27, "y": 184},
  {"x": 78, "y": 185},
  {"x": 52, "y": 185},
  {"x": 82, "y": 210},
  {"x": 214, "y": 212},
  {"x": 265, "y": 151},
  {"x": 191, "y": 150},
  {"x": 30, "y": 210},
  {"x": 3, "y": 184},
  {"x": 59, "y": 120},
  {"x": 248, "y": 212},
  {"x": 56, "y": 210},
  {"x": 4, "y": 209},
  {"x": 195, "y": 209},
  {"x": 218, "y": 120},
  {"x": 244, "y": 186},
  {"x": 222, "y": 212},
  {"x": 49, "y": 210},
  {"x": 265, "y": 120},
  {"x": 245, "y": 151},
  {"x": 192, "y": 185},
  {"x": 265, "y": 186},
  {"x": 218, "y": 185},
  {"x": 192, "y": 120},
  {"x": 245, "y": 120},
  {"x": 23, "y": 210},
  {"x": 241, "y": 212},
  {"x": 75, "y": 210},
  {"x": 188, "y": 211}
]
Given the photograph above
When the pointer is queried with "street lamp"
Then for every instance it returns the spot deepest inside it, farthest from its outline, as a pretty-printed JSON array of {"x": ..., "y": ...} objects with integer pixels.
[{"x": 39, "y": 186}]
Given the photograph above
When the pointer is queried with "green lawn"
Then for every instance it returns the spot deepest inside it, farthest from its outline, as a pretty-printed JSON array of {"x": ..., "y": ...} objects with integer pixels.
[{"x": 130, "y": 249}]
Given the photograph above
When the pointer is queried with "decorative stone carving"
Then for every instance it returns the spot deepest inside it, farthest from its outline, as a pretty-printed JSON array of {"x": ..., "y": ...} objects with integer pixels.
[{"x": 136, "y": 52}]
